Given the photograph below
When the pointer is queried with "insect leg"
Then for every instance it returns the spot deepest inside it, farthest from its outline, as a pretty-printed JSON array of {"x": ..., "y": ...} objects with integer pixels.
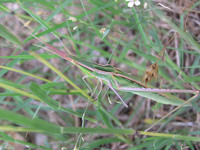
[
  {"x": 110, "y": 86},
  {"x": 92, "y": 92},
  {"x": 101, "y": 84},
  {"x": 83, "y": 78}
]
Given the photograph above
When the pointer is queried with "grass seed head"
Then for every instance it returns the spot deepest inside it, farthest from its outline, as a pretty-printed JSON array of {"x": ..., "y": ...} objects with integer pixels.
[{"x": 151, "y": 72}]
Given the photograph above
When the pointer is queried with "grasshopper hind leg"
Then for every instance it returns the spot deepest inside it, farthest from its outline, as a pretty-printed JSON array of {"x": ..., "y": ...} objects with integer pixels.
[
  {"x": 109, "y": 84},
  {"x": 91, "y": 91},
  {"x": 83, "y": 78},
  {"x": 101, "y": 85}
]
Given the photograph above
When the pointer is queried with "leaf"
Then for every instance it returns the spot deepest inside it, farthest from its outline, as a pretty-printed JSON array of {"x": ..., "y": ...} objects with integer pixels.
[
  {"x": 5, "y": 33},
  {"x": 51, "y": 103},
  {"x": 41, "y": 93},
  {"x": 42, "y": 126},
  {"x": 4, "y": 8},
  {"x": 105, "y": 118},
  {"x": 60, "y": 74},
  {"x": 25, "y": 73}
]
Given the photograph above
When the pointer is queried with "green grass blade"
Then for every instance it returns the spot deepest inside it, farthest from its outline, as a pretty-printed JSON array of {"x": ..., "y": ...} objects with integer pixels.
[
  {"x": 47, "y": 127},
  {"x": 49, "y": 30},
  {"x": 169, "y": 99},
  {"x": 41, "y": 93},
  {"x": 49, "y": 101},
  {"x": 5, "y": 86},
  {"x": 105, "y": 119},
  {"x": 5, "y": 33},
  {"x": 60, "y": 74},
  {"x": 139, "y": 25},
  {"x": 29, "y": 57},
  {"x": 8, "y": 138},
  {"x": 97, "y": 143},
  {"x": 25, "y": 73},
  {"x": 4, "y": 8}
]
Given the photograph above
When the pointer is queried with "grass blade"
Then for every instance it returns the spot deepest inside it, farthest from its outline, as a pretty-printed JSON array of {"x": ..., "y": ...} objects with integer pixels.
[
  {"x": 5, "y": 33},
  {"x": 47, "y": 127}
]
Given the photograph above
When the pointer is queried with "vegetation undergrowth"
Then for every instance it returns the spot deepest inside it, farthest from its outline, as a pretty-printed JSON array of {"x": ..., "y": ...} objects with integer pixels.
[{"x": 45, "y": 103}]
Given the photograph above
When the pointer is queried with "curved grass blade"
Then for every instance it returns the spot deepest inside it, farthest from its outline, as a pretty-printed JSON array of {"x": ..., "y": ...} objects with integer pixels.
[
  {"x": 25, "y": 73},
  {"x": 43, "y": 126},
  {"x": 60, "y": 74},
  {"x": 5, "y": 33},
  {"x": 53, "y": 104},
  {"x": 8, "y": 138}
]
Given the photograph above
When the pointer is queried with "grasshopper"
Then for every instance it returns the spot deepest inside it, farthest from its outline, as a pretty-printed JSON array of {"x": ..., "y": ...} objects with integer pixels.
[{"x": 118, "y": 80}]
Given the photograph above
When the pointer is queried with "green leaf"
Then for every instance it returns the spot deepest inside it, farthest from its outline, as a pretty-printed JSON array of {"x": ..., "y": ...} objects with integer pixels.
[
  {"x": 25, "y": 73},
  {"x": 42, "y": 126},
  {"x": 61, "y": 75},
  {"x": 8, "y": 138},
  {"x": 48, "y": 101},
  {"x": 29, "y": 57},
  {"x": 4, "y": 8},
  {"x": 5, "y": 33},
  {"x": 41, "y": 93},
  {"x": 105, "y": 118}
]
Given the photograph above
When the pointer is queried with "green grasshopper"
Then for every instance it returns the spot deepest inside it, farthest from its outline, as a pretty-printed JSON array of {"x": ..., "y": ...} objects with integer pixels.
[{"x": 118, "y": 80}]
